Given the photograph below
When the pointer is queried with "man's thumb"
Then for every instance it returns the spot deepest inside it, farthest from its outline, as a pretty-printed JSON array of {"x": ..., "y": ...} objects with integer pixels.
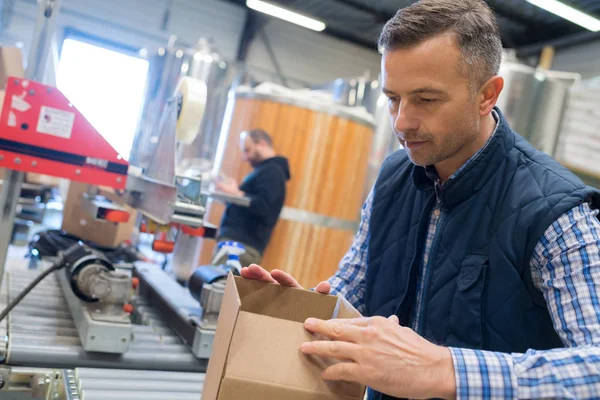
[{"x": 394, "y": 319}]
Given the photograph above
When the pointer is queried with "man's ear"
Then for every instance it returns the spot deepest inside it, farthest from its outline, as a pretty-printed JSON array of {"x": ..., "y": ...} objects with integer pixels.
[{"x": 488, "y": 94}]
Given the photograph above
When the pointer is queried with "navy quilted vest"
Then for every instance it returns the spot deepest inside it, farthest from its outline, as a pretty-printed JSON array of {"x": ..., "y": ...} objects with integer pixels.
[{"x": 478, "y": 291}]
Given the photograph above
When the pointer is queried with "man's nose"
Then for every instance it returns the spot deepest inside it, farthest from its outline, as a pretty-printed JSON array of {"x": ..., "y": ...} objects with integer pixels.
[{"x": 404, "y": 120}]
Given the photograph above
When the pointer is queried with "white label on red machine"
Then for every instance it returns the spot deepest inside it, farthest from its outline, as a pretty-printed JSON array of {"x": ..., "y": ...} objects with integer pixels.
[{"x": 56, "y": 122}]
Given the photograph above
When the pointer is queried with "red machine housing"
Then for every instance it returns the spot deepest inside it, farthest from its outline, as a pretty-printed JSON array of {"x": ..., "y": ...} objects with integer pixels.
[{"x": 42, "y": 132}]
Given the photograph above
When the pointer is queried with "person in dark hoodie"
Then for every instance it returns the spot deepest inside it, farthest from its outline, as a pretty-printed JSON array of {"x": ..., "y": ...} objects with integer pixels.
[{"x": 265, "y": 186}]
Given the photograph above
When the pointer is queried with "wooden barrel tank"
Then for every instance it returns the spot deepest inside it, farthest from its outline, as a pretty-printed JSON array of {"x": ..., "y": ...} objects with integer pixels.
[{"x": 328, "y": 151}]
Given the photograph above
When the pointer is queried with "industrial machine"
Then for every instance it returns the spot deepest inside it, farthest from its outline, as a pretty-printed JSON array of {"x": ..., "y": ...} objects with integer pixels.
[{"x": 84, "y": 315}]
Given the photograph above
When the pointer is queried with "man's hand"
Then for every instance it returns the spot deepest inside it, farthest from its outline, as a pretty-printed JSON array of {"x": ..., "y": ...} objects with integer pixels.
[
  {"x": 229, "y": 186},
  {"x": 279, "y": 277},
  {"x": 379, "y": 353}
]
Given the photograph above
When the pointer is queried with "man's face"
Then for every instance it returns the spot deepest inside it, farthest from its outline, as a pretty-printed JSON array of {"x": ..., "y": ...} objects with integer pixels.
[
  {"x": 433, "y": 108},
  {"x": 250, "y": 151}
]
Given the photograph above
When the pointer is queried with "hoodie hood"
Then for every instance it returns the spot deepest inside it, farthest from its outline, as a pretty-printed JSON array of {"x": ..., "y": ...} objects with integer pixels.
[{"x": 281, "y": 162}]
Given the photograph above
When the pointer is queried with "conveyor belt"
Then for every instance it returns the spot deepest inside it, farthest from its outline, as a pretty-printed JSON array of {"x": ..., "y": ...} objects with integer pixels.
[
  {"x": 41, "y": 333},
  {"x": 113, "y": 384}
]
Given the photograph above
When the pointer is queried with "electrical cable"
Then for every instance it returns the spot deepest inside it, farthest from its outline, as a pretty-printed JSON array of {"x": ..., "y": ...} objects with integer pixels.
[
  {"x": 49, "y": 243},
  {"x": 60, "y": 263}
]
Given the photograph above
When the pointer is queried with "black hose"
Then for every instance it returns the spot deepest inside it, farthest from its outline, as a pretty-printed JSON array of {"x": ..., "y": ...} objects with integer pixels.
[{"x": 54, "y": 267}]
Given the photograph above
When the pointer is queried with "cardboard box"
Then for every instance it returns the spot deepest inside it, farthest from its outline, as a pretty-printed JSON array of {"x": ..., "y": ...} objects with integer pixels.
[
  {"x": 77, "y": 221},
  {"x": 11, "y": 64},
  {"x": 256, "y": 351},
  {"x": 41, "y": 179}
]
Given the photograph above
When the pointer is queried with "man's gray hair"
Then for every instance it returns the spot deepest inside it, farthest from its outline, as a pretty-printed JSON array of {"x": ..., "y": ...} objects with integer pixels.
[{"x": 471, "y": 22}]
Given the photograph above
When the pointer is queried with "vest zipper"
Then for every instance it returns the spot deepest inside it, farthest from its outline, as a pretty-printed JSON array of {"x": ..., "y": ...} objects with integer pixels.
[
  {"x": 398, "y": 311},
  {"x": 431, "y": 256}
]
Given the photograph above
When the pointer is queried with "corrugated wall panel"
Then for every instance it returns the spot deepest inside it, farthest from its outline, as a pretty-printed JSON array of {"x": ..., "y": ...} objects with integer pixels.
[
  {"x": 311, "y": 56},
  {"x": 219, "y": 20},
  {"x": 303, "y": 54},
  {"x": 138, "y": 23},
  {"x": 584, "y": 59}
]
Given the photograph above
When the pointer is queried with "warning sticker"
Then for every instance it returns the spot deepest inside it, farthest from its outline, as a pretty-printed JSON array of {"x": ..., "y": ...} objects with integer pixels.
[{"x": 56, "y": 122}]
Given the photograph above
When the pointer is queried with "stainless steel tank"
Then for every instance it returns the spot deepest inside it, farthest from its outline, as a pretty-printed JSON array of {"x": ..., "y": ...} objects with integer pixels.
[
  {"x": 533, "y": 101},
  {"x": 166, "y": 68},
  {"x": 551, "y": 101},
  {"x": 517, "y": 99}
]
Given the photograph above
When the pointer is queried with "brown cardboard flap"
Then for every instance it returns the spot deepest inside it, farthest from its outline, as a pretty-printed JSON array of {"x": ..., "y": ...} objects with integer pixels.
[
  {"x": 226, "y": 324},
  {"x": 239, "y": 388},
  {"x": 79, "y": 222},
  {"x": 11, "y": 64},
  {"x": 285, "y": 303},
  {"x": 267, "y": 350}
]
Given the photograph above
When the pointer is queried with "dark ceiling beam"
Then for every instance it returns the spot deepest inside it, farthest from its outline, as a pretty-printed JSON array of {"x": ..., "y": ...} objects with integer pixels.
[
  {"x": 379, "y": 16},
  {"x": 252, "y": 25},
  {"x": 567, "y": 41},
  {"x": 338, "y": 34},
  {"x": 509, "y": 13}
]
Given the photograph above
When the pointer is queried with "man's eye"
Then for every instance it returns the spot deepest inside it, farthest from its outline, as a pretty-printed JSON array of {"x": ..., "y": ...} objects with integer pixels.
[
  {"x": 393, "y": 100},
  {"x": 427, "y": 100}
]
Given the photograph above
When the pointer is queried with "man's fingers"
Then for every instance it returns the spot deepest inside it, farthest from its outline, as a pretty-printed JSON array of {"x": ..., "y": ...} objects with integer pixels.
[
  {"x": 360, "y": 322},
  {"x": 257, "y": 273},
  {"x": 285, "y": 279},
  {"x": 394, "y": 319},
  {"x": 334, "y": 329},
  {"x": 323, "y": 287},
  {"x": 332, "y": 348},
  {"x": 344, "y": 371}
]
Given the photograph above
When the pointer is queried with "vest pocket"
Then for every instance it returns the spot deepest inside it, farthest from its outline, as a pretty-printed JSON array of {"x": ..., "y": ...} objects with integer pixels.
[{"x": 466, "y": 313}]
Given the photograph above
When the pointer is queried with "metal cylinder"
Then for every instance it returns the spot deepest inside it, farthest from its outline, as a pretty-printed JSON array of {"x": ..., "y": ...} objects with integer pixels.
[
  {"x": 64, "y": 356},
  {"x": 124, "y": 374},
  {"x": 126, "y": 395},
  {"x": 159, "y": 385}
]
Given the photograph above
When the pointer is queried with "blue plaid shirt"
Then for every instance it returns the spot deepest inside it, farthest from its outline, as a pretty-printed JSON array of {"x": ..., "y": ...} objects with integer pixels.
[{"x": 565, "y": 266}]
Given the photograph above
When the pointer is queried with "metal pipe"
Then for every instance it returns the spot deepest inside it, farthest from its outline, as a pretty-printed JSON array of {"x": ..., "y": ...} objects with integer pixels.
[
  {"x": 166, "y": 339},
  {"x": 74, "y": 356},
  {"x": 45, "y": 339},
  {"x": 40, "y": 44},
  {"x": 116, "y": 395},
  {"x": 157, "y": 385},
  {"x": 131, "y": 374},
  {"x": 11, "y": 188},
  {"x": 56, "y": 330},
  {"x": 41, "y": 321},
  {"x": 39, "y": 312}
]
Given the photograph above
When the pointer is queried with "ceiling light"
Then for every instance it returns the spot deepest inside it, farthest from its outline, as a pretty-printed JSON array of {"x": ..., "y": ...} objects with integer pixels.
[
  {"x": 568, "y": 13},
  {"x": 285, "y": 14}
]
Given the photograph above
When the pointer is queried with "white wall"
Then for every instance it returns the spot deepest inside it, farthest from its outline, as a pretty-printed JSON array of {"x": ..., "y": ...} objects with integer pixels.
[
  {"x": 311, "y": 56},
  {"x": 303, "y": 54},
  {"x": 137, "y": 23},
  {"x": 584, "y": 59}
]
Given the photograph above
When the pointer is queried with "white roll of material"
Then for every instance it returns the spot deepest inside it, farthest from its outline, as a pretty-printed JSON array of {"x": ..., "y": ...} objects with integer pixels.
[{"x": 193, "y": 104}]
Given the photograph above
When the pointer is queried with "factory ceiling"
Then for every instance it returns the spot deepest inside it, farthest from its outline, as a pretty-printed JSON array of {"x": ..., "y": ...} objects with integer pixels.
[{"x": 523, "y": 25}]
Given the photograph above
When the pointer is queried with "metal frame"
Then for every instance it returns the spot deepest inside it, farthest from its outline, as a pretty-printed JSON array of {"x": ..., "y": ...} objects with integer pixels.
[
  {"x": 178, "y": 308},
  {"x": 102, "y": 328}
]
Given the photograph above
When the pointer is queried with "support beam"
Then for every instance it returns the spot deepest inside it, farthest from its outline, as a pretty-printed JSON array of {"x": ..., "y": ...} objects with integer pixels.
[
  {"x": 379, "y": 16},
  {"x": 509, "y": 13},
  {"x": 253, "y": 23},
  {"x": 273, "y": 58},
  {"x": 338, "y": 34},
  {"x": 567, "y": 41}
]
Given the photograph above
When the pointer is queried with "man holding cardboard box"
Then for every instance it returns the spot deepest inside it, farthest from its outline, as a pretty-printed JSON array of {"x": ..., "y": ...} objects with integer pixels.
[{"x": 471, "y": 239}]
